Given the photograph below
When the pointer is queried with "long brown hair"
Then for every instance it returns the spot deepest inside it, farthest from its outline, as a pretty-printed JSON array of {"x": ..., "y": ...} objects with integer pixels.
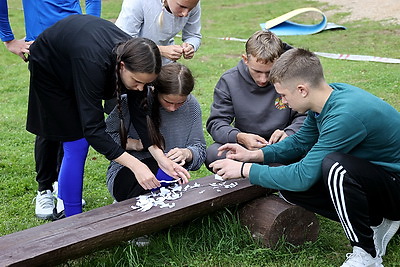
[
  {"x": 139, "y": 55},
  {"x": 175, "y": 79}
]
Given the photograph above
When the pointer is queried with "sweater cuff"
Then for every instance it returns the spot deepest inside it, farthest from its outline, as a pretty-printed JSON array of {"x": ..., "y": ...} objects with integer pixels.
[
  {"x": 232, "y": 136},
  {"x": 7, "y": 38},
  {"x": 254, "y": 173}
]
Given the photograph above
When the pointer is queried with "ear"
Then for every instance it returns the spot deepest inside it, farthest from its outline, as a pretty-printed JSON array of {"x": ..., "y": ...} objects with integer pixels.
[
  {"x": 303, "y": 90},
  {"x": 121, "y": 65},
  {"x": 245, "y": 59}
]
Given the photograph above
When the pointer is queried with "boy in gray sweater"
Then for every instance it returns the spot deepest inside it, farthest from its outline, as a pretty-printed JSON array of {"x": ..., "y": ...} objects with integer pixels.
[{"x": 246, "y": 108}]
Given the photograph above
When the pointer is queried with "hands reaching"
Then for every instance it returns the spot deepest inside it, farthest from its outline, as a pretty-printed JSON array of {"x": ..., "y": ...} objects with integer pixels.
[
  {"x": 251, "y": 141},
  {"x": 174, "y": 169},
  {"x": 180, "y": 155},
  {"x": 277, "y": 136},
  {"x": 227, "y": 168}
]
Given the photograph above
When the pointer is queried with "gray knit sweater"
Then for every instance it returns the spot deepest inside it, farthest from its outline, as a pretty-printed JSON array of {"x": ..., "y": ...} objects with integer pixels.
[{"x": 181, "y": 128}]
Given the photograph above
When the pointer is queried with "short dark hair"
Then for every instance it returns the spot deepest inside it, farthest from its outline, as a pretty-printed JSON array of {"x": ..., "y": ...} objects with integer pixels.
[{"x": 297, "y": 63}]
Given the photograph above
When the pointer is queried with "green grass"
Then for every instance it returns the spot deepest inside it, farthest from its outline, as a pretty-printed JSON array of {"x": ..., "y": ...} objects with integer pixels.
[{"x": 217, "y": 239}]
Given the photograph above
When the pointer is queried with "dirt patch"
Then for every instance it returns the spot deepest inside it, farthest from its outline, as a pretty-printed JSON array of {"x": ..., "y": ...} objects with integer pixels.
[{"x": 384, "y": 10}]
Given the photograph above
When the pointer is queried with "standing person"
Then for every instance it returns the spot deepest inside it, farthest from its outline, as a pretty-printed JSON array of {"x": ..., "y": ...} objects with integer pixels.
[
  {"x": 246, "y": 108},
  {"x": 65, "y": 101},
  {"x": 160, "y": 21},
  {"x": 39, "y": 15},
  {"x": 179, "y": 114},
  {"x": 351, "y": 171}
]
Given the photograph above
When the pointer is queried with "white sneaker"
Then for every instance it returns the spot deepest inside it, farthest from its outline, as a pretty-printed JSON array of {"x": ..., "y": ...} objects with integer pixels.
[
  {"x": 360, "y": 258},
  {"x": 383, "y": 233},
  {"x": 55, "y": 193},
  {"x": 44, "y": 205}
]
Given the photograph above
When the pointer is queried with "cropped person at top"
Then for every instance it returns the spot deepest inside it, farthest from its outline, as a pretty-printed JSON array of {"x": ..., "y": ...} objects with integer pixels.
[{"x": 161, "y": 21}]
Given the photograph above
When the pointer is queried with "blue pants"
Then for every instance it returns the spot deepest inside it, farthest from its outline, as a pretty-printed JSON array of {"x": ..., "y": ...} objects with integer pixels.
[{"x": 70, "y": 179}]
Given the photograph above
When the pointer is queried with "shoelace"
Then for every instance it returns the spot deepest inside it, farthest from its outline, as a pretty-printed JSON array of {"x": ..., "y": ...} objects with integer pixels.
[
  {"x": 45, "y": 200},
  {"x": 355, "y": 258}
]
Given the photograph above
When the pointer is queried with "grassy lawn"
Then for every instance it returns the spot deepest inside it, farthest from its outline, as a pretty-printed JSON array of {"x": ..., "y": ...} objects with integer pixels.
[{"x": 217, "y": 239}]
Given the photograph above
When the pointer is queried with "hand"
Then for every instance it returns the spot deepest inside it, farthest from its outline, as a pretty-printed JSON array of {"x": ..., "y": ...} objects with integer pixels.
[
  {"x": 180, "y": 155},
  {"x": 134, "y": 144},
  {"x": 188, "y": 51},
  {"x": 251, "y": 141},
  {"x": 277, "y": 136},
  {"x": 172, "y": 52},
  {"x": 19, "y": 47},
  {"x": 175, "y": 170},
  {"x": 227, "y": 168},
  {"x": 168, "y": 166},
  {"x": 145, "y": 177},
  {"x": 238, "y": 152}
]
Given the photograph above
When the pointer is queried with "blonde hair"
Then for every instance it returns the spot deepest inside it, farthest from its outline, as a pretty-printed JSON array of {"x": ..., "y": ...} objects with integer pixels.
[
  {"x": 265, "y": 46},
  {"x": 161, "y": 16}
]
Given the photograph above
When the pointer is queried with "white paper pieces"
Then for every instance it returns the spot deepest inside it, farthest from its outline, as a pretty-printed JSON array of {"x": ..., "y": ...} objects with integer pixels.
[
  {"x": 165, "y": 195},
  {"x": 146, "y": 202}
]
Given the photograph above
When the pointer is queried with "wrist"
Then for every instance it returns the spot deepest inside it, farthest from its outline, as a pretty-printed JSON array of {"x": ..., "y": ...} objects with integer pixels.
[
  {"x": 188, "y": 156},
  {"x": 239, "y": 138},
  {"x": 245, "y": 170},
  {"x": 257, "y": 156}
]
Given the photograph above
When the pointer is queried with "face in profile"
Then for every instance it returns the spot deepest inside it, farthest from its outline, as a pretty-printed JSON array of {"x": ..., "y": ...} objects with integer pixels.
[
  {"x": 135, "y": 80},
  {"x": 181, "y": 8},
  {"x": 292, "y": 95},
  {"x": 171, "y": 102},
  {"x": 258, "y": 71}
]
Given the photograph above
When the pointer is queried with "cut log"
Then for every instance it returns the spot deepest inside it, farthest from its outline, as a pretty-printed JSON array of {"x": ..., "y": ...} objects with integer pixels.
[
  {"x": 271, "y": 219},
  {"x": 72, "y": 237}
]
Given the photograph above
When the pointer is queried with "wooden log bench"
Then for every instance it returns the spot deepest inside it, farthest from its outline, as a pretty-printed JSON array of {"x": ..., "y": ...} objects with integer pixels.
[{"x": 55, "y": 242}]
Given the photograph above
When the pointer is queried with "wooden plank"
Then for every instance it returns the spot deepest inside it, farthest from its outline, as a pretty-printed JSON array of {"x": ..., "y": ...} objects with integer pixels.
[{"x": 72, "y": 237}]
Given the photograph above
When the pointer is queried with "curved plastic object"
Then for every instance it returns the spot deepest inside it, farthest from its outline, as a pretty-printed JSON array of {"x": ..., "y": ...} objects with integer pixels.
[
  {"x": 162, "y": 176},
  {"x": 283, "y": 26}
]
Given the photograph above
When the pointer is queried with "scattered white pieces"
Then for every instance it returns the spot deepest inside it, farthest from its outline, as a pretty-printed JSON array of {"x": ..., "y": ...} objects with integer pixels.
[
  {"x": 218, "y": 177},
  {"x": 162, "y": 197},
  {"x": 196, "y": 185},
  {"x": 231, "y": 185},
  {"x": 224, "y": 184},
  {"x": 146, "y": 202}
]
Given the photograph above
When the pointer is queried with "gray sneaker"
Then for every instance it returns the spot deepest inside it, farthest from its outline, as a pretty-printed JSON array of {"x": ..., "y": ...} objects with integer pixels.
[
  {"x": 141, "y": 241},
  {"x": 44, "y": 205},
  {"x": 383, "y": 233}
]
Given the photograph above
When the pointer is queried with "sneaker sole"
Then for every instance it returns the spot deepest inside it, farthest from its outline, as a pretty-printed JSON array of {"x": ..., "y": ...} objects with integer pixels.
[{"x": 44, "y": 216}]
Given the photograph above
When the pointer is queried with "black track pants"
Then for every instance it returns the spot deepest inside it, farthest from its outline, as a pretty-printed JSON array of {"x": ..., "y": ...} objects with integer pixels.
[{"x": 355, "y": 192}]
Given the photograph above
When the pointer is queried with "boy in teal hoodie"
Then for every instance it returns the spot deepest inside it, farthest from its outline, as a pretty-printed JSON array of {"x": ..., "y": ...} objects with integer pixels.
[{"x": 350, "y": 171}]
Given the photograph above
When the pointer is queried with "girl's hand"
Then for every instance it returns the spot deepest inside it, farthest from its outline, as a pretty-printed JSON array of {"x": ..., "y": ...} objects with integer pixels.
[{"x": 180, "y": 155}]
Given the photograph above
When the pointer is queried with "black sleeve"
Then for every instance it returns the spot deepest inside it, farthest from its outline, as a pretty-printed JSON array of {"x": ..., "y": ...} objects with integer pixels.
[{"x": 88, "y": 81}]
